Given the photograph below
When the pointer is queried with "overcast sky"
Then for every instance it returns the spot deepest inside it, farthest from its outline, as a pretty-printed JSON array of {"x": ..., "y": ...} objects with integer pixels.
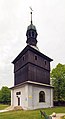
[{"x": 49, "y": 19}]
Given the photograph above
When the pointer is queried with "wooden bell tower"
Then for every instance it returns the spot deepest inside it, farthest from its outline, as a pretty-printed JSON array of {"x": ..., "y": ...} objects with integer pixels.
[{"x": 31, "y": 64}]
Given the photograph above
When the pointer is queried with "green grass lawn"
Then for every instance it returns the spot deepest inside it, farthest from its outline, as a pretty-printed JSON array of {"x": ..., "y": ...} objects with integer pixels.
[
  {"x": 35, "y": 114},
  {"x": 3, "y": 106}
]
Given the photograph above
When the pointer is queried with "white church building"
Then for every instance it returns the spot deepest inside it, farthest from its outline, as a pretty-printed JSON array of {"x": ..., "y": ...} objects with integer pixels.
[{"x": 32, "y": 89}]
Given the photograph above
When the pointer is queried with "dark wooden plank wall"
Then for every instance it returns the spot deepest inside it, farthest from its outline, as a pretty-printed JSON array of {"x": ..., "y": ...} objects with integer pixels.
[
  {"x": 29, "y": 68},
  {"x": 38, "y": 74},
  {"x": 40, "y": 60},
  {"x": 21, "y": 75},
  {"x": 21, "y": 62}
]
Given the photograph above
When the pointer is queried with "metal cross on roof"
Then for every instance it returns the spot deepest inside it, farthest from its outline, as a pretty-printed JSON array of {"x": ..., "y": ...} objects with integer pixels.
[{"x": 31, "y": 13}]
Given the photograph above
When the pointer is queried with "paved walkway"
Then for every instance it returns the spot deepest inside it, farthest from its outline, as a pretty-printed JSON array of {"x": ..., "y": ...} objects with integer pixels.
[
  {"x": 3, "y": 111},
  {"x": 10, "y": 108}
]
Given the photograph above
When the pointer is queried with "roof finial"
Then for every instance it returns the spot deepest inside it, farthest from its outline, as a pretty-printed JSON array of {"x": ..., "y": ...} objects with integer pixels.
[{"x": 31, "y": 14}]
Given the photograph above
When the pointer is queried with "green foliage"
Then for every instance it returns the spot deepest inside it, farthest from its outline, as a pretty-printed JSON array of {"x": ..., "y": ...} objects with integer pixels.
[
  {"x": 5, "y": 95},
  {"x": 58, "y": 81}
]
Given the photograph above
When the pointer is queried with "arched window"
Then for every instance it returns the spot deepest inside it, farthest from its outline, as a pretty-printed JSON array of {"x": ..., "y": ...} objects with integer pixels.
[
  {"x": 32, "y": 34},
  {"x": 42, "y": 96},
  {"x": 29, "y": 34}
]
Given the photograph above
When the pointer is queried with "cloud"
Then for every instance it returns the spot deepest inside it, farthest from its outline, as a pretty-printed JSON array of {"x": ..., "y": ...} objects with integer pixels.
[{"x": 49, "y": 19}]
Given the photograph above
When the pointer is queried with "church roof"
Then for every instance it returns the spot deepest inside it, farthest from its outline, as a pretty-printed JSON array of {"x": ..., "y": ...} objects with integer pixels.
[
  {"x": 31, "y": 26},
  {"x": 30, "y": 48},
  {"x": 33, "y": 83}
]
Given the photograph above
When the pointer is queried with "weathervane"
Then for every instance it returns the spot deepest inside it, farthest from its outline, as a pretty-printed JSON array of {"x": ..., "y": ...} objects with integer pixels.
[{"x": 31, "y": 13}]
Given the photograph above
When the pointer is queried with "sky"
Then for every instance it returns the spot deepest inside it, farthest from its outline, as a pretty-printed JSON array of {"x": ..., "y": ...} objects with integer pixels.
[{"x": 49, "y": 19}]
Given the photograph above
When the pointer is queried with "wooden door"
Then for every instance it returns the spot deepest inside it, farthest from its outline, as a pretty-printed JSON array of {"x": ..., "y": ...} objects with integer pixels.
[{"x": 18, "y": 101}]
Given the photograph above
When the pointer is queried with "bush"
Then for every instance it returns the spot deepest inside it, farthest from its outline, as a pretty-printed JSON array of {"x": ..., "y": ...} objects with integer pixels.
[
  {"x": 5, "y": 95},
  {"x": 59, "y": 103}
]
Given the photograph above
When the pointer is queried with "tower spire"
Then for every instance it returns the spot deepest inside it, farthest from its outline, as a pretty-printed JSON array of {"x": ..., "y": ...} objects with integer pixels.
[
  {"x": 31, "y": 33},
  {"x": 31, "y": 17},
  {"x": 31, "y": 14}
]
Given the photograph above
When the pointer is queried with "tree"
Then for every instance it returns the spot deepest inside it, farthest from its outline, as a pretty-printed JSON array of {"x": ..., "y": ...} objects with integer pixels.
[
  {"x": 5, "y": 95},
  {"x": 58, "y": 81}
]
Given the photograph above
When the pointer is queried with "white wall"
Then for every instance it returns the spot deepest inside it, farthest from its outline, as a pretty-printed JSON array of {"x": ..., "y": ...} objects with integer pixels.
[
  {"x": 23, "y": 96},
  {"x": 34, "y": 100},
  {"x": 29, "y": 98}
]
